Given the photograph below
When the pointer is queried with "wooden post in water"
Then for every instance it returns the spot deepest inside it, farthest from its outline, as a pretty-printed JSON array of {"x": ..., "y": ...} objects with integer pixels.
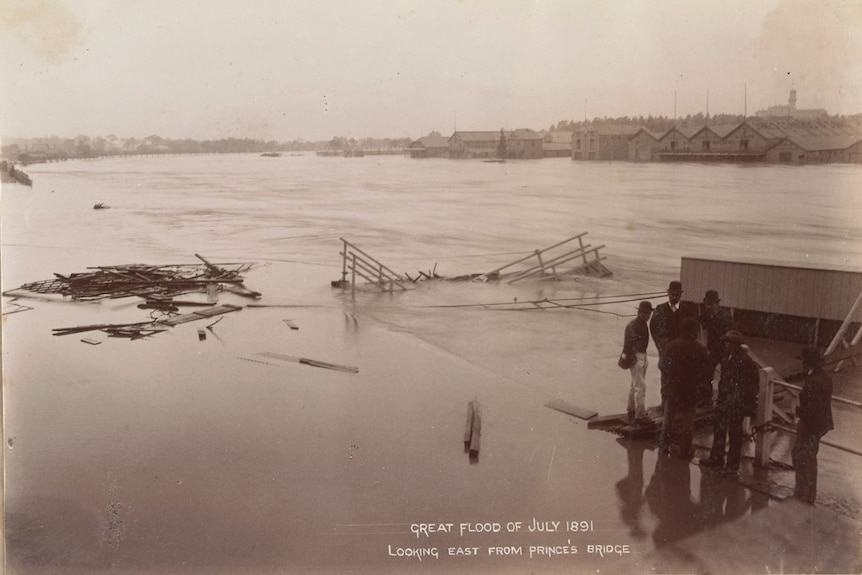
[
  {"x": 541, "y": 263},
  {"x": 762, "y": 437},
  {"x": 344, "y": 261},
  {"x": 581, "y": 243}
]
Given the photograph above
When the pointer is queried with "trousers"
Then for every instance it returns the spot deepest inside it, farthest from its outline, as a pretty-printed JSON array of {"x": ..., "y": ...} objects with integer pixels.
[
  {"x": 804, "y": 457},
  {"x": 637, "y": 391},
  {"x": 673, "y": 407},
  {"x": 727, "y": 428}
]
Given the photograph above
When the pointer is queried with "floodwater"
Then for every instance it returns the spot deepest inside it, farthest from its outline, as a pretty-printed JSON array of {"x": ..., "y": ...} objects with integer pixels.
[{"x": 177, "y": 455}]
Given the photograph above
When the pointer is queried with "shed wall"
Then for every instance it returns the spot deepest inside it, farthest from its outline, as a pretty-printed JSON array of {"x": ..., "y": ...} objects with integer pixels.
[{"x": 802, "y": 292}]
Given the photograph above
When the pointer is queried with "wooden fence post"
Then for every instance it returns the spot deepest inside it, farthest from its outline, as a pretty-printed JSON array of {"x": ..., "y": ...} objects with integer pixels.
[{"x": 762, "y": 435}]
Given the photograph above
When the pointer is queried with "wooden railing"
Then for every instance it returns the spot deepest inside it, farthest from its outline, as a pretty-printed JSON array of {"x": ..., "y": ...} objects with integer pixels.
[
  {"x": 772, "y": 416},
  {"x": 550, "y": 268},
  {"x": 358, "y": 263}
]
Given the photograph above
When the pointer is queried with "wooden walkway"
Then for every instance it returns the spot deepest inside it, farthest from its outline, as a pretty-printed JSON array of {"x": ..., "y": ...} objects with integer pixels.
[{"x": 620, "y": 425}]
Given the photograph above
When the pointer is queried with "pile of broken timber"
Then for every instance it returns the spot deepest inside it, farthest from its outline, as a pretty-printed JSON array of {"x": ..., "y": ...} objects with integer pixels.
[
  {"x": 153, "y": 283},
  {"x": 620, "y": 424}
]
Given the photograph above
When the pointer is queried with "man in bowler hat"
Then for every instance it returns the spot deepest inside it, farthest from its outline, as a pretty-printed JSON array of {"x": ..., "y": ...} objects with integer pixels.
[
  {"x": 715, "y": 322},
  {"x": 815, "y": 419},
  {"x": 635, "y": 342},
  {"x": 664, "y": 326},
  {"x": 738, "y": 388},
  {"x": 686, "y": 363}
]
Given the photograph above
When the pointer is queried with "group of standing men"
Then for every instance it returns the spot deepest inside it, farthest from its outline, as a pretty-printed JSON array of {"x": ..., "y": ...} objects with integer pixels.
[{"x": 687, "y": 370}]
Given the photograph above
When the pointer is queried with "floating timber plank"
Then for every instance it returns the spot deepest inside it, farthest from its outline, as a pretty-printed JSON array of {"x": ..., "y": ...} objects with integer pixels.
[
  {"x": 176, "y": 320},
  {"x": 476, "y": 431},
  {"x": 91, "y": 341},
  {"x": 468, "y": 427},
  {"x": 311, "y": 362},
  {"x": 326, "y": 365},
  {"x": 290, "y": 324},
  {"x": 570, "y": 409}
]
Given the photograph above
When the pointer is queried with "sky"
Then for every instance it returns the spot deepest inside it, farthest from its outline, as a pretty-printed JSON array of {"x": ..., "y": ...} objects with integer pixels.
[{"x": 289, "y": 69}]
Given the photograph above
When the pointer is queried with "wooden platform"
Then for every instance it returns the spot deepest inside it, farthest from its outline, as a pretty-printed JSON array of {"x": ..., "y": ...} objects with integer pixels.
[{"x": 620, "y": 424}]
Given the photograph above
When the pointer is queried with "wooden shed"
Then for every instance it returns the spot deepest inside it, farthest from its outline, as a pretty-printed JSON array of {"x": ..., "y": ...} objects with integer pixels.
[{"x": 800, "y": 304}]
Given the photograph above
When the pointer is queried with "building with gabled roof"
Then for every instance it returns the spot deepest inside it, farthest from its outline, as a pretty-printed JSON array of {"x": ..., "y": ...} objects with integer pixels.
[
  {"x": 642, "y": 145},
  {"x": 468, "y": 144},
  {"x": 605, "y": 144},
  {"x": 429, "y": 147},
  {"x": 524, "y": 144}
]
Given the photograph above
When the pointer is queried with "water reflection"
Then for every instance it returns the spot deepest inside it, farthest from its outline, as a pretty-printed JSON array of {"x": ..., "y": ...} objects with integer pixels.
[
  {"x": 669, "y": 498},
  {"x": 630, "y": 489},
  {"x": 678, "y": 511},
  {"x": 721, "y": 500}
]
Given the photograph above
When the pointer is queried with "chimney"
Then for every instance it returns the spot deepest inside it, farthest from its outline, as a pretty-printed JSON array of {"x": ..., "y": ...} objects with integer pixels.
[{"x": 792, "y": 100}]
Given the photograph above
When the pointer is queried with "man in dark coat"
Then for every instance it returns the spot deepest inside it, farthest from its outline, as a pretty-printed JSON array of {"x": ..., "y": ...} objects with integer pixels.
[
  {"x": 815, "y": 419},
  {"x": 686, "y": 364},
  {"x": 738, "y": 388},
  {"x": 715, "y": 322},
  {"x": 664, "y": 326},
  {"x": 636, "y": 340}
]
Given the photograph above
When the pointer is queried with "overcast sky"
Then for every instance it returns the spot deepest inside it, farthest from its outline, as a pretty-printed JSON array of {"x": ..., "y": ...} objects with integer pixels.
[{"x": 284, "y": 69}]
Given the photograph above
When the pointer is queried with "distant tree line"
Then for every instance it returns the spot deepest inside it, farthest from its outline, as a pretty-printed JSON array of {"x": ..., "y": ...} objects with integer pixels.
[
  {"x": 662, "y": 124},
  {"x": 28, "y": 150}
]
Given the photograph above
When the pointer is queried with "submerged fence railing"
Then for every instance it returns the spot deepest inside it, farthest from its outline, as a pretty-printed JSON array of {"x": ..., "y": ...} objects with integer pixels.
[
  {"x": 358, "y": 263},
  {"x": 588, "y": 256}
]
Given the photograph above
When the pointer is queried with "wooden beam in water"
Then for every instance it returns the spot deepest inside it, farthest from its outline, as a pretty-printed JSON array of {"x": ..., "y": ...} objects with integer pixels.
[{"x": 570, "y": 409}]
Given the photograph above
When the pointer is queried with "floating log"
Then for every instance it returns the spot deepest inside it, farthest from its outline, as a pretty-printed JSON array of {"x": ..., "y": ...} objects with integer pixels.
[{"x": 290, "y": 324}]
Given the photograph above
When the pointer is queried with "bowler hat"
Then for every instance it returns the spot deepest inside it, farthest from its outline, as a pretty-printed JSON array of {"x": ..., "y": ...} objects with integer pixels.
[
  {"x": 811, "y": 356},
  {"x": 711, "y": 296},
  {"x": 674, "y": 287},
  {"x": 645, "y": 307},
  {"x": 733, "y": 336}
]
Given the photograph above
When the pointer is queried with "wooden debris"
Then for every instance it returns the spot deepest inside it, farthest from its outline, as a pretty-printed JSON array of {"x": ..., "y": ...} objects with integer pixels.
[
  {"x": 129, "y": 330},
  {"x": 18, "y": 308},
  {"x": 290, "y": 324},
  {"x": 153, "y": 283},
  {"x": 648, "y": 428},
  {"x": 91, "y": 341},
  {"x": 176, "y": 320},
  {"x": 570, "y": 409},
  {"x": 475, "y": 431},
  {"x": 468, "y": 427},
  {"x": 311, "y": 362},
  {"x": 202, "y": 335}
]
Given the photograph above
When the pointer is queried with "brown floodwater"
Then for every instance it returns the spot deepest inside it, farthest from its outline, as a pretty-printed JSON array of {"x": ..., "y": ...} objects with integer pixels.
[{"x": 173, "y": 454}]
